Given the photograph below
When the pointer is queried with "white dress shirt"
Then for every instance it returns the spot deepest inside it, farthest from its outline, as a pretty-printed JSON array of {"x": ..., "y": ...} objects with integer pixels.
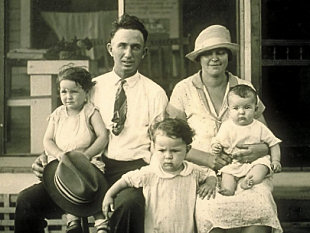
[{"x": 146, "y": 101}]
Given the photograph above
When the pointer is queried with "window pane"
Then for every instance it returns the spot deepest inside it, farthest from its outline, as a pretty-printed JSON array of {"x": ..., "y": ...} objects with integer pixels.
[
  {"x": 18, "y": 130},
  {"x": 20, "y": 82}
]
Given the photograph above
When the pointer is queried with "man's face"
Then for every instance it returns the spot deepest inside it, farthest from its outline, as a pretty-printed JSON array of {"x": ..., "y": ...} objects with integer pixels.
[{"x": 127, "y": 49}]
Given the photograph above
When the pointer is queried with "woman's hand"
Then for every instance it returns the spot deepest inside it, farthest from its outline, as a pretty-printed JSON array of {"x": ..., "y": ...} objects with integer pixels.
[
  {"x": 208, "y": 189},
  {"x": 38, "y": 165},
  {"x": 249, "y": 152},
  {"x": 221, "y": 160}
]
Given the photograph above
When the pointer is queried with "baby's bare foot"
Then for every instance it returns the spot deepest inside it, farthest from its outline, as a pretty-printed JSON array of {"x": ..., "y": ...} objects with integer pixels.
[{"x": 247, "y": 183}]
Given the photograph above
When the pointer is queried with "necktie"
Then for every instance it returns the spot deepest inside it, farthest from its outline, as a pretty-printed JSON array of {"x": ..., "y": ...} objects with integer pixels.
[{"x": 120, "y": 109}]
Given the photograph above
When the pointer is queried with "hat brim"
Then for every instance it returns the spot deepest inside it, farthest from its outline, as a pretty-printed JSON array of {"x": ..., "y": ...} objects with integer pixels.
[
  {"x": 194, "y": 54},
  {"x": 84, "y": 210}
]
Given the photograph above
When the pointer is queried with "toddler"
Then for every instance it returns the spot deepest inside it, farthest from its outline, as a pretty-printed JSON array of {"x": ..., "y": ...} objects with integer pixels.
[
  {"x": 76, "y": 125},
  {"x": 169, "y": 183},
  {"x": 242, "y": 128}
]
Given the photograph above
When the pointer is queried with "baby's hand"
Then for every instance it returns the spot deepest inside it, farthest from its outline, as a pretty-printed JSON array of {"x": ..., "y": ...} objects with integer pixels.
[
  {"x": 216, "y": 148},
  {"x": 208, "y": 189},
  {"x": 276, "y": 166}
]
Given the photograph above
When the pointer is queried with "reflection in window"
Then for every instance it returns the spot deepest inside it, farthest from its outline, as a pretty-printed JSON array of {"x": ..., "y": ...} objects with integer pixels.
[{"x": 18, "y": 130}]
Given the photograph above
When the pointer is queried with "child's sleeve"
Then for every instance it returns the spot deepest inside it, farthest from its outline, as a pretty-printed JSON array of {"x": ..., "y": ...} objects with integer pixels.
[
  {"x": 136, "y": 178},
  {"x": 268, "y": 137}
]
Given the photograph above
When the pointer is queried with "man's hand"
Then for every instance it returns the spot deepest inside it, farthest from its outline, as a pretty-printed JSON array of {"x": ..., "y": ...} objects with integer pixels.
[
  {"x": 249, "y": 152},
  {"x": 38, "y": 165}
]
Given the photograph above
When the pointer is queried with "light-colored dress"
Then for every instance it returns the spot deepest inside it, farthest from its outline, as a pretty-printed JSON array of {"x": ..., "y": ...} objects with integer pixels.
[
  {"x": 74, "y": 132},
  {"x": 169, "y": 199},
  {"x": 230, "y": 135},
  {"x": 254, "y": 206}
]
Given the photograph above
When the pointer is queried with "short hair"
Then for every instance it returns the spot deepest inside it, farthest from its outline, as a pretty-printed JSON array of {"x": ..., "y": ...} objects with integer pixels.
[
  {"x": 77, "y": 74},
  {"x": 174, "y": 128},
  {"x": 129, "y": 22},
  {"x": 244, "y": 91}
]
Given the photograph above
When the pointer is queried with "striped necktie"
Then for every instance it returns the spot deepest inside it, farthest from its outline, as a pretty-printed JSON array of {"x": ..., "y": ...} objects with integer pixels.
[{"x": 120, "y": 109}]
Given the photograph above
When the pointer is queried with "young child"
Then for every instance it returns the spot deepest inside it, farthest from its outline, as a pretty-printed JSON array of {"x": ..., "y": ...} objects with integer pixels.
[
  {"x": 242, "y": 128},
  {"x": 76, "y": 125},
  {"x": 169, "y": 183}
]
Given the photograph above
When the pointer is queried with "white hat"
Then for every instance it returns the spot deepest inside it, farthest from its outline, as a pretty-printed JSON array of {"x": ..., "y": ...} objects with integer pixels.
[{"x": 215, "y": 36}]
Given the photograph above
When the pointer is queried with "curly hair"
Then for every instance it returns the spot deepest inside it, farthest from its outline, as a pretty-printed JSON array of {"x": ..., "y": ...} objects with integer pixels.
[
  {"x": 129, "y": 22},
  {"x": 77, "y": 74},
  {"x": 174, "y": 128}
]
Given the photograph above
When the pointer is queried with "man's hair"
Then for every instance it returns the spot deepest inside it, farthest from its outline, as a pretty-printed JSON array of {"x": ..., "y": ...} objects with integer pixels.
[
  {"x": 129, "y": 22},
  {"x": 77, "y": 74},
  {"x": 174, "y": 128},
  {"x": 244, "y": 91}
]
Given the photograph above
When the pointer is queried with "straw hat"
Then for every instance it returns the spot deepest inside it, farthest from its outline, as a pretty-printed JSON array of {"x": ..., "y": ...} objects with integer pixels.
[
  {"x": 75, "y": 185},
  {"x": 215, "y": 36}
]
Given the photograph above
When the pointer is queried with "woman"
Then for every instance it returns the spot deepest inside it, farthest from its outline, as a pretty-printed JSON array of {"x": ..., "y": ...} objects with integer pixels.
[{"x": 201, "y": 100}]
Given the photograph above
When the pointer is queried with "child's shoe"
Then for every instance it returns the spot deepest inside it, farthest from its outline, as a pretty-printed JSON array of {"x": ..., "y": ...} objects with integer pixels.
[{"x": 74, "y": 227}]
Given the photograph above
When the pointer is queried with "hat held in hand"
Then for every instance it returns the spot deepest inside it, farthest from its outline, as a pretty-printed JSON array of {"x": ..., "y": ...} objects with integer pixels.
[
  {"x": 75, "y": 184},
  {"x": 214, "y": 36}
]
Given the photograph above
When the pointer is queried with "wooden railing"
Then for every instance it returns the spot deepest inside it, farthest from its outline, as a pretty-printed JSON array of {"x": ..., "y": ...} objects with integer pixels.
[
  {"x": 7, "y": 210},
  {"x": 285, "y": 52}
]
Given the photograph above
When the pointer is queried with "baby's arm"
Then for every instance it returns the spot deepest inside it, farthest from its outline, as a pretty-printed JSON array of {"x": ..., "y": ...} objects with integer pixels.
[
  {"x": 275, "y": 158},
  {"x": 48, "y": 142},
  {"x": 101, "y": 136},
  {"x": 108, "y": 201}
]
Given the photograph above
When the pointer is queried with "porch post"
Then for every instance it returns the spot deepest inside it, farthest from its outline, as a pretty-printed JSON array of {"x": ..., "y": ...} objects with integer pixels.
[{"x": 121, "y": 7}]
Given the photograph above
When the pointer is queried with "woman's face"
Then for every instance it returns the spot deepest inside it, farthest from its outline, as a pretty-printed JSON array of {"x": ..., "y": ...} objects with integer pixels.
[{"x": 214, "y": 62}]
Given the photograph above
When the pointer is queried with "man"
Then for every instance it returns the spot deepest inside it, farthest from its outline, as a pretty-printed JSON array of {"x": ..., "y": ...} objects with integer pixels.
[{"x": 128, "y": 108}]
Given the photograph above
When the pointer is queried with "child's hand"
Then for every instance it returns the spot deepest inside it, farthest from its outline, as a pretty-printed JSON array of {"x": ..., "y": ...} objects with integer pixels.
[
  {"x": 216, "y": 148},
  {"x": 107, "y": 204},
  {"x": 207, "y": 189},
  {"x": 276, "y": 166}
]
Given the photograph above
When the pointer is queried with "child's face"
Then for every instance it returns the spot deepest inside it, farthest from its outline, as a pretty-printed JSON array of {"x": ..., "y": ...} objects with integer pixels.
[
  {"x": 171, "y": 152},
  {"x": 72, "y": 95},
  {"x": 241, "y": 110}
]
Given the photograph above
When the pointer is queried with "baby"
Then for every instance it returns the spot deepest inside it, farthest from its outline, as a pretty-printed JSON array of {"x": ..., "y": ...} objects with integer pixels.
[{"x": 242, "y": 128}]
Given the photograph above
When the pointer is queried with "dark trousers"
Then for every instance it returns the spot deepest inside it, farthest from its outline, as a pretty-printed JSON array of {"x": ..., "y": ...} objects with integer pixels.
[{"x": 34, "y": 205}]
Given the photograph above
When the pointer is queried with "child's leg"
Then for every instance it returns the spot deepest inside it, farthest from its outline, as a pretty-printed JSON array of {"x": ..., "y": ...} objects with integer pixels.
[
  {"x": 228, "y": 185},
  {"x": 73, "y": 224},
  {"x": 254, "y": 176},
  {"x": 101, "y": 223}
]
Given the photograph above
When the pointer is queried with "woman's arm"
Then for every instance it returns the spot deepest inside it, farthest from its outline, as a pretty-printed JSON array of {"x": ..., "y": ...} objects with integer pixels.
[
  {"x": 108, "y": 201},
  {"x": 206, "y": 159},
  {"x": 101, "y": 136}
]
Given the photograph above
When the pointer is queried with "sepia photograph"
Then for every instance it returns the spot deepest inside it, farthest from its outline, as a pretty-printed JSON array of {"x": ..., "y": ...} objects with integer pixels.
[{"x": 154, "y": 116}]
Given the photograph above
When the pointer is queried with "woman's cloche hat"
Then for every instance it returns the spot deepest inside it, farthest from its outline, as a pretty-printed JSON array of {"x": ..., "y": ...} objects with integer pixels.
[
  {"x": 214, "y": 36},
  {"x": 75, "y": 184}
]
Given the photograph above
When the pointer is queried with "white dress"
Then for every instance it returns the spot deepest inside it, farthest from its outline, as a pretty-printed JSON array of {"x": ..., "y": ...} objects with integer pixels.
[
  {"x": 169, "y": 199},
  {"x": 254, "y": 206}
]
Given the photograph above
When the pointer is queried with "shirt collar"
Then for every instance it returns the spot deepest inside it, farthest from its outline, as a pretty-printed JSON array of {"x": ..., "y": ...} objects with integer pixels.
[{"x": 130, "y": 81}]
